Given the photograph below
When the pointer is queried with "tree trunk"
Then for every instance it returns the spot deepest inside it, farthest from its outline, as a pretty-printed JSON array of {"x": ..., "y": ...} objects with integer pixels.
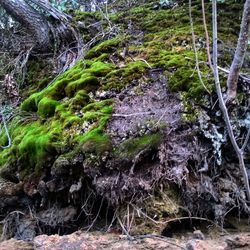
[
  {"x": 31, "y": 19},
  {"x": 239, "y": 55},
  {"x": 51, "y": 29}
]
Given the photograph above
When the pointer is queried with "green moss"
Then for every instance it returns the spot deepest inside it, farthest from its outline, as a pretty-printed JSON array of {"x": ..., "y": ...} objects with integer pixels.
[
  {"x": 95, "y": 142},
  {"x": 100, "y": 68},
  {"x": 47, "y": 107},
  {"x": 102, "y": 57},
  {"x": 131, "y": 147},
  {"x": 39, "y": 73},
  {"x": 97, "y": 105},
  {"x": 86, "y": 82},
  {"x": 191, "y": 113},
  {"x": 30, "y": 104},
  {"x": 56, "y": 90},
  {"x": 90, "y": 116},
  {"x": 104, "y": 47},
  {"x": 33, "y": 144},
  {"x": 83, "y": 15},
  {"x": 38, "y": 143},
  {"x": 79, "y": 100},
  {"x": 119, "y": 78},
  {"x": 137, "y": 67},
  {"x": 140, "y": 10},
  {"x": 65, "y": 113}
]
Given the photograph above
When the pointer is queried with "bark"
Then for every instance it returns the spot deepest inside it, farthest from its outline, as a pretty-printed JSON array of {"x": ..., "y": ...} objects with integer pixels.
[
  {"x": 31, "y": 19},
  {"x": 51, "y": 29},
  {"x": 239, "y": 55}
]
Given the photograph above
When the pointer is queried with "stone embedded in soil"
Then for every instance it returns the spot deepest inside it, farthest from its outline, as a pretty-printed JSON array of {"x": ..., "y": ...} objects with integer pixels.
[
  {"x": 8, "y": 189},
  {"x": 14, "y": 244},
  {"x": 239, "y": 241},
  {"x": 197, "y": 234},
  {"x": 195, "y": 244},
  {"x": 94, "y": 241}
]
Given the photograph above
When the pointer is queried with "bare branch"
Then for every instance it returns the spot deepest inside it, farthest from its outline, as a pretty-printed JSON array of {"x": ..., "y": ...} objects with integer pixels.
[
  {"x": 222, "y": 103},
  {"x": 206, "y": 34},
  {"x": 6, "y": 131},
  {"x": 240, "y": 52},
  {"x": 195, "y": 49}
]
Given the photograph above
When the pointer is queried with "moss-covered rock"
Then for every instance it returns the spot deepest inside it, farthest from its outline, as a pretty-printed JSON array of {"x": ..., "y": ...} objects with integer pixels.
[
  {"x": 57, "y": 126},
  {"x": 47, "y": 107}
]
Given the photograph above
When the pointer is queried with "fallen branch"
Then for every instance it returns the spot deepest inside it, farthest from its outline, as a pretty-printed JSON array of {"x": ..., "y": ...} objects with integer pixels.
[{"x": 133, "y": 114}]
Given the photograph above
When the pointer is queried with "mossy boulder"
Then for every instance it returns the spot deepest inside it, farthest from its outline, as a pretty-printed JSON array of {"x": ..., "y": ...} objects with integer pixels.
[{"x": 47, "y": 107}]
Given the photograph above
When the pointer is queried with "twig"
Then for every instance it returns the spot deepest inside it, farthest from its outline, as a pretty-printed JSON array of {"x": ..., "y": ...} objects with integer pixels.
[
  {"x": 240, "y": 52},
  {"x": 136, "y": 160},
  {"x": 245, "y": 141},
  {"x": 124, "y": 229},
  {"x": 112, "y": 221},
  {"x": 93, "y": 222},
  {"x": 174, "y": 219},
  {"x": 206, "y": 34},
  {"x": 164, "y": 113},
  {"x": 195, "y": 49},
  {"x": 6, "y": 131},
  {"x": 241, "y": 76},
  {"x": 143, "y": 60},
  {"x": 133, "y": 114}
]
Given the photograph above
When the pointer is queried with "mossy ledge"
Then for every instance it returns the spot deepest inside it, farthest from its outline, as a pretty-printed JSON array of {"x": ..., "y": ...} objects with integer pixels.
[
  {"x": 62, "y": 107},
  {"x": 59, "y": 111}
]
